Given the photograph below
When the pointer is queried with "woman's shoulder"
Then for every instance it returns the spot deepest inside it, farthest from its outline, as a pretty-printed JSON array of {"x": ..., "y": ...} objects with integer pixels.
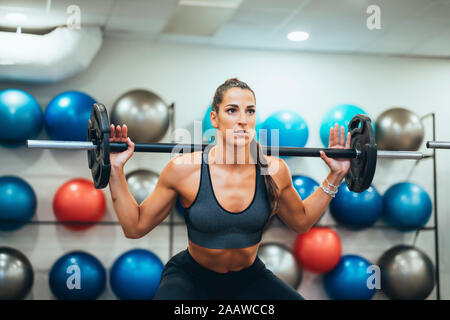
[
  {"x": 181, "y": 167},
  {"x": 279, "y": 170},
  {"x": 186, "y": 162}
]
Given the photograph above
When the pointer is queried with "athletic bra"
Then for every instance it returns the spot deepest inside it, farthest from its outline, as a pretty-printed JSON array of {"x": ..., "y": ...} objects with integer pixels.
[{"x": 211, "y": 226}]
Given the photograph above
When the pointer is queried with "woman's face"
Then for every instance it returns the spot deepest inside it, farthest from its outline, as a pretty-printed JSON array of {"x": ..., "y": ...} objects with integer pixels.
[{"x": 236, "y": 119}]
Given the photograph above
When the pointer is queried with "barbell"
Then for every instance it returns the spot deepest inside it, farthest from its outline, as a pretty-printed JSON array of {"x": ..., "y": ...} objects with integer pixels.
[
  {"x": 363, "y": 151},
  {"x": 438, "y": 144}
]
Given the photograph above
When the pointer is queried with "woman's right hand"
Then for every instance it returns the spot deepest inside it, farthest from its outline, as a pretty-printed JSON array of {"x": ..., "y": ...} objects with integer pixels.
[{"x": 119, "y": 134}]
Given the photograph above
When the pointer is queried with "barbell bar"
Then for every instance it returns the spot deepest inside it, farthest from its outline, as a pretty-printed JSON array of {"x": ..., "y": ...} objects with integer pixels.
[
  {"x": 438, "y": 144},
  {"x": 363, "y": 151},
  {"x": 171, "y": 147}
]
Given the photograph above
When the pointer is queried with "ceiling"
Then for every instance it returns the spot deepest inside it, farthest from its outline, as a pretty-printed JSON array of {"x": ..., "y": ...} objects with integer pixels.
[{"x": 408, "y": 27}]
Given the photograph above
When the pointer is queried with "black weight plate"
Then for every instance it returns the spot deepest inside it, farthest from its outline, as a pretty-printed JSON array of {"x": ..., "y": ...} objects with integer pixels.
[
  {"x": 362, "y": 169},
  {"x": 98, "y": 134}
]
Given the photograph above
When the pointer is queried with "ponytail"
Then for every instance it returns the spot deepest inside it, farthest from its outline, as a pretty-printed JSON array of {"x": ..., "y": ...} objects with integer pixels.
[{"x": 271, "y": 186}]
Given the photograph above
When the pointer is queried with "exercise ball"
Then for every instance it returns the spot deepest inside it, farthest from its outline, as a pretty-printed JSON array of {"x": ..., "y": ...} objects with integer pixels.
[
  {"x": 141, "y": 183},
  {"x": 77, "y": 200},
  {"x": 77, "y": 275},
  {"x": 406, "y": 273},
  {"x": 399, "y": 129},
  {"x": 406, "y": 206},
  {"x": 209, "y": 132},
  {"x": 16, "y": 274},
  {"x": 341, "y": 114},
  {"x": 136, "y": 275},
  {"x": 145, "y": 114},
  {"x": 348, "y": 280},
  {"x": 318, "y": 250},
  {"x": 17, "y": 203},
  {"x": 21, "y": 117},
  {"x": 67, "y": 115},
  {"x": 356, "y": 210},
  {"x": 305, "y": 186},
  {"x": 280, "y": 260},
  {"x": 290, "y": 127}
]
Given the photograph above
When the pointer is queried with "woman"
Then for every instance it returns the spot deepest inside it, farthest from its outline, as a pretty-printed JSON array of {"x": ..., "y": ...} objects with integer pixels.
[{"x": 229, "y": 192}]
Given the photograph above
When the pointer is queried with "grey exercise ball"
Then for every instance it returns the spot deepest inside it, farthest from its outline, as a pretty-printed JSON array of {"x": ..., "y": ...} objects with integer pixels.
[
  {"x": 406, "y": 273},
  {"x": 16, "y": 274},
  {"x": 144, "y": 113},
  {"x": 399, "y": 129},
  {"x": 280, "y": 260},
  {"x": 141, "y": 183}
]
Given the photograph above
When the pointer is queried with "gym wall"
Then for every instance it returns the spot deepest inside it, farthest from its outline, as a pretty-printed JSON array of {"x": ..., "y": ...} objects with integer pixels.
[{"x": 308, "y": 83}]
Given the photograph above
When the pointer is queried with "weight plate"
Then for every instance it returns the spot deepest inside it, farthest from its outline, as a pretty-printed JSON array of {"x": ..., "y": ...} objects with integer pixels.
[
  {"x": 98, "y": 134},
  {"x": 362, "y": 169}
]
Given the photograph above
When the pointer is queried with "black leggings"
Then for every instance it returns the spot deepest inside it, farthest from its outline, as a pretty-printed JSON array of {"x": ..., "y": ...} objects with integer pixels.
[{"x": 183, "y": 278}]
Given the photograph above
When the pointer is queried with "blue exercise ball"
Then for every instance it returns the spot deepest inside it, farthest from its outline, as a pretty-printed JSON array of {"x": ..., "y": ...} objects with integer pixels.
[
  {"x": 136, "y": 275},
  {"x": 77, "y": 275},
  {"x": 304, "y": 185},
  {"x": 356, "y": 210},
  {"x": 21, "y": 117},
  {"x": 292, "y": 129},
  {"x": 208, "y": 136},
  {"x": 17, "y": 203},
  {"x": 348, "y": 280},
  {"x": 341, "y": 114},
  {"x": 406, "y": 206},
  {"x": 67, "y": 115}
]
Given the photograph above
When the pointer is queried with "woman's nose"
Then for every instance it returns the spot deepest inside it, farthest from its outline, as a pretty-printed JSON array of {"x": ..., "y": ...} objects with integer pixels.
[{"x": 242, "y": 117}]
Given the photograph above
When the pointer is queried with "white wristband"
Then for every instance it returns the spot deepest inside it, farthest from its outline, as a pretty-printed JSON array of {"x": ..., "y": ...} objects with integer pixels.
[
  {"x": 331, "y": 185},
  {"x": 328, "y": 191}
]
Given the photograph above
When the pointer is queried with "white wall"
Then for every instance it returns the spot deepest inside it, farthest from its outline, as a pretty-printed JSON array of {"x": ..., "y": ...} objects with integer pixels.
[{"x": 188, "y": 75}]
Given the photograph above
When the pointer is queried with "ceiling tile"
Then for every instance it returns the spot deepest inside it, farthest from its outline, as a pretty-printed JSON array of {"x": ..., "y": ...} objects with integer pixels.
[
  {"x": 405, "y": 37},
  {"x": 147, "y": 9},
  {"x": 338, "y": 7},
  {"x": 271, "y": 5},
  {"x": 258, "y": 18},
  {"x": 438, "y": 45},
  {"x": 140, "y": 16}
]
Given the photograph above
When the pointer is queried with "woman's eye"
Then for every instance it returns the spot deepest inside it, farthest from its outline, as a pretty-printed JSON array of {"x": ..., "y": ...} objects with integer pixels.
[
  {"x": 251, "y": 111},
  {"x": 230, "y": 110}
]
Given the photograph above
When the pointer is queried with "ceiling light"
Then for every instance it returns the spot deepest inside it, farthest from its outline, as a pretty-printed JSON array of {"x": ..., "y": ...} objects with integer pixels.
[
  {"x": 16, "y": 17},
  {"x": 298, "y": 36}
]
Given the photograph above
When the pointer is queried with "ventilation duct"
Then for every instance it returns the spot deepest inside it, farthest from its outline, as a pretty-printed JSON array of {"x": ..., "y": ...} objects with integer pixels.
[{"x": 51, "y": 57}]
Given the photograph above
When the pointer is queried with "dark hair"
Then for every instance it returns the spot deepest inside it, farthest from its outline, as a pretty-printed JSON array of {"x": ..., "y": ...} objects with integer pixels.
[{"x": 271, "y": 187}]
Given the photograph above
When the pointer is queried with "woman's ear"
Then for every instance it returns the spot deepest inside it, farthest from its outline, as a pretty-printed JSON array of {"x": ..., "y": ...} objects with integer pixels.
[{"x": 213, "y": 116}]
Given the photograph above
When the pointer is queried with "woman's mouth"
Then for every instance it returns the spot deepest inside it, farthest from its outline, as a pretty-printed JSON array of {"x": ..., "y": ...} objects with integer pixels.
[{"x": 241, "y": 133}]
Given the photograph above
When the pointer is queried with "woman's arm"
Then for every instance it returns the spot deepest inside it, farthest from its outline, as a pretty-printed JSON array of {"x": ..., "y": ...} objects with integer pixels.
[
  {"x": 138, "y": 220},
  {"x": 126, "y": 208},
  {"x": 302, "y": 215}
]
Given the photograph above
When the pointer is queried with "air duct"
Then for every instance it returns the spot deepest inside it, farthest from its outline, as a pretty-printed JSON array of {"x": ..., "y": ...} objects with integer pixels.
[{"x": 51, "y": 57}]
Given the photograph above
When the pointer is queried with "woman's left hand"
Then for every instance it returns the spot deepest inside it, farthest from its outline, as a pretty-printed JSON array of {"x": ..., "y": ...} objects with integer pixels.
[{"x": 337, "y": 141}]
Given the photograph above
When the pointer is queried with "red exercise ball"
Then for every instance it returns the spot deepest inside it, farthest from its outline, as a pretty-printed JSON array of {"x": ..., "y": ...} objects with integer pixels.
[
  {"x": 78, "y": 200},
  {"x": 318, "y": 250}
]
